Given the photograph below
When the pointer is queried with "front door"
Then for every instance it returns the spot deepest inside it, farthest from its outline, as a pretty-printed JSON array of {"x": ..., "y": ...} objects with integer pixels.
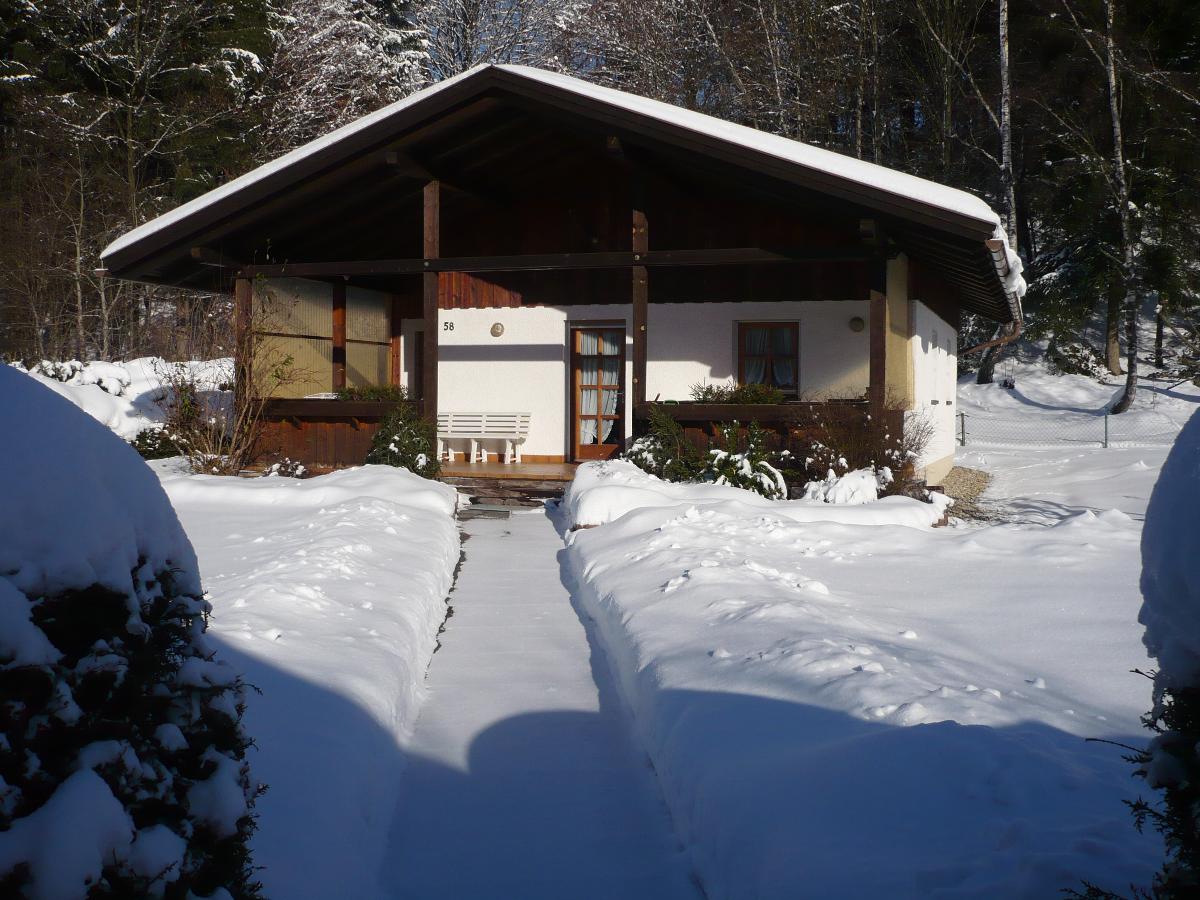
[{"x": 598, "y": 391}]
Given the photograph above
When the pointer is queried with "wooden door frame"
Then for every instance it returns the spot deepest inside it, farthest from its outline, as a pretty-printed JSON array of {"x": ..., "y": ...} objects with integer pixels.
[{"x": 573, "y": 387}]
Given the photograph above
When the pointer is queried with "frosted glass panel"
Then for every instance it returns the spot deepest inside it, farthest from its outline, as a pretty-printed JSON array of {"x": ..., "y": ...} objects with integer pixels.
[
  {"x": 294, "y": 306},
  {"x": 367, "y": 364},
  {"x": 311, "y": 365},
  {"x": 367, "y": 315}
]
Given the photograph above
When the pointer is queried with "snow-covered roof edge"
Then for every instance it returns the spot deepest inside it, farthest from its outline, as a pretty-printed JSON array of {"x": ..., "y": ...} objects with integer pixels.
[
  {"x": 289, "y": 159},
  {"x": 901, "y": 185}
]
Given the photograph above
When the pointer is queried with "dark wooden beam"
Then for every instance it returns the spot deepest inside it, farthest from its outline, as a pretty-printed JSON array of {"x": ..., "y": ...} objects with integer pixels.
[
  {"x": 395, "y": 330},
  {"x": 432, "y": 244},
  {"x": 409, "y": 166},
  {"x": 617, "y": 259},
  {"x": 210, "y": 257},
  {"x": 640, "y": 289},
  {"x": 339, "y": 335},
  {"x": 877, "y": 317}
]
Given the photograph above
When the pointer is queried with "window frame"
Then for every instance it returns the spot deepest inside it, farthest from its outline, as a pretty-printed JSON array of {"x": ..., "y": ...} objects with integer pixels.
[{"x": 794, "y": 327}]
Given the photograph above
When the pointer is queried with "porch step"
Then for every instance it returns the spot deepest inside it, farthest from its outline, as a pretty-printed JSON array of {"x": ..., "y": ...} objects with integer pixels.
[
  {"x": 484, "y": 511},
  {"x": 505, "y": 492}
]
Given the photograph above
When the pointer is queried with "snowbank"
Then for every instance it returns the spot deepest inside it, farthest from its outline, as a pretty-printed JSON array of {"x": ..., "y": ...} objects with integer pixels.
[
  {"x": 851, "y": 710},
  {"x": 91, "y": 795},
  {"x": 125, "y": 396},
  {"x": 1171, "y": 565},
  {"x": 328, "y": 593},
  {"x": 605, "y": 491},
  {"x": 49, "y": 540}
]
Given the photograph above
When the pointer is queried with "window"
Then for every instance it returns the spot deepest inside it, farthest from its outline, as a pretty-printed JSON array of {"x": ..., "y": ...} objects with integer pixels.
[{"x": 769, "y": 353}]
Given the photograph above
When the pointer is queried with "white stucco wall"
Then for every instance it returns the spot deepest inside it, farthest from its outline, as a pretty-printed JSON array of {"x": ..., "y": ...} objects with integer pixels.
[
  {"x": 523, "y": 370},
  {"x": 697, "y": 342},
  {"x": 934, "y": 347},
  {"x": 526, "y": 368}
]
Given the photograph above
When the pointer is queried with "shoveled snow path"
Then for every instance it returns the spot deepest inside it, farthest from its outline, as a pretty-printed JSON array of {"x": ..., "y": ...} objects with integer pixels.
[{"x": 522, "y": 779}]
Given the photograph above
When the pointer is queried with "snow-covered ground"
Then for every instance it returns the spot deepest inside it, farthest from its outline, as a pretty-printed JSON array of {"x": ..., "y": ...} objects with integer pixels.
[
  {"x": 127, "y": 396},
  {"x": 1068, "y": 410},
  {"x": 327, "y": 594},
  {"x": 862, "y": 708}
]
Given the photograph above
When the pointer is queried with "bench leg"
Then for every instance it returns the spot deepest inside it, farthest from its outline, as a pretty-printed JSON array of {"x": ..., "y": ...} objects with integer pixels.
[
  {"x": 441, "y": 448},
  {"x": 508, "y": 452},
  {"x": 474, "y": 450},
  {"x": 518, "y": 448}
]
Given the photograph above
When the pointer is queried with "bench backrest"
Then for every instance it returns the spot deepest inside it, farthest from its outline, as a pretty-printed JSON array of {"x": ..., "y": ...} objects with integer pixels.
[{"x": 483, "y": 424}]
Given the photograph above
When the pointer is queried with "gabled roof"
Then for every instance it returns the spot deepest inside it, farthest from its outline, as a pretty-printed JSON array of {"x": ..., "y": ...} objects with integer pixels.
[{"x": 933, "y": 208}]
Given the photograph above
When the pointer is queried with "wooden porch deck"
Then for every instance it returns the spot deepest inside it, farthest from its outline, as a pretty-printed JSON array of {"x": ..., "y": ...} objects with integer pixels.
[{"x": 523, "y": 471}]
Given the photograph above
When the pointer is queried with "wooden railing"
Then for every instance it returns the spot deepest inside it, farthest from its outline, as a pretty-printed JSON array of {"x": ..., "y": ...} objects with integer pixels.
[{"x": 321, "y": 433}]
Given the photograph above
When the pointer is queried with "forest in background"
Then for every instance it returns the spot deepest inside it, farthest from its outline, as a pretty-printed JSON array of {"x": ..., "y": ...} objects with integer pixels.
[{"x": 1078, "y": 120}]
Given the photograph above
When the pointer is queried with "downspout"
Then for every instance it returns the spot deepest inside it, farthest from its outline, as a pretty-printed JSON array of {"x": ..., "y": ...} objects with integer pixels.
[{"x": 997, "y": 247}]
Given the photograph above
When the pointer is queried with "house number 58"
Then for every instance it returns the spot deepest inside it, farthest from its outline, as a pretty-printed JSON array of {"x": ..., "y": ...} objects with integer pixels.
[{"x": 447, "y": 326}]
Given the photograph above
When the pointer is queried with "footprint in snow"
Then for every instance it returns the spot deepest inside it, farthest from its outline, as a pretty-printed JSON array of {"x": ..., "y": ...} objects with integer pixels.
[
  {"x": 909, "y": 634},
  {"x": 1039, "y": 682}
]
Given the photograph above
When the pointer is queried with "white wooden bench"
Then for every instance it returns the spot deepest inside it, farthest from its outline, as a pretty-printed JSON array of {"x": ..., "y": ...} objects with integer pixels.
[{"x": 510, "y": 427}]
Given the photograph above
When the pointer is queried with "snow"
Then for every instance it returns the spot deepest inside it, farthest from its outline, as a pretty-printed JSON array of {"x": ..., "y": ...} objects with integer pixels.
[
  {"x": 604, "y": 491},
  {"x": 853, "y": 707},
  {"x": 854, "y": 488},
  {"x": 157, "y": 853},
  {"x": 327, "y": 594},
  {"x": 49, "y": 541},
  {"x": 522, "y": 780},
  {"x": 68, "y": 839},
  {"x": 218, "y": 801},
  {"x": 1170, "y": 572},
  {"x": 125, "y": 396},
  {"x": 1066, "y": 410},
  {"x": 817, "y": 159}
]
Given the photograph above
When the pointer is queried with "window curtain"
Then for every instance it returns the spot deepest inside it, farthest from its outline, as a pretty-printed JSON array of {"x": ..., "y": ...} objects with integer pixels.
[
  {"x": 783, "y": 352},
  {"x": 587, "y": 419},
  {"x": 755, "y": 363},
  {"x": 610, "y": 409}
]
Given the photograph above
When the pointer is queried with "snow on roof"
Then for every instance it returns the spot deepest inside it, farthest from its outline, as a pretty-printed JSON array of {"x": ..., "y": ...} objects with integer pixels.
[{"x": 899, "y": 184}]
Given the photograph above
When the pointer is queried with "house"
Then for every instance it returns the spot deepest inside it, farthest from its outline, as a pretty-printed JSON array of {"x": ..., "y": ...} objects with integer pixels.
[{"x": 518, "y": 240}]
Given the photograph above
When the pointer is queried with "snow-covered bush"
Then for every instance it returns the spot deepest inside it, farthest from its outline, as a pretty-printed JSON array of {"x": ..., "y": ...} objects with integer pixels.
[
  {"x": 155, "y": 442},
  {"x": 406, "y": 440},
  {"x": 822, "y": 445},
  {"x": 286, "y": 468},
  {"x": 858, "y": 486},
  {"x": 1171, "y": 613},
  {"x": 744, "y": 466},
  {"x": 664, "y": 450},
  {"x": 122, "y": 756}
]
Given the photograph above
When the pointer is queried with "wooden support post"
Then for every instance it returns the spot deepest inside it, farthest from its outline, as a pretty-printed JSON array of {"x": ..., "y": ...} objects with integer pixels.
[
  {"x": 395, "y": 320},
  {"x": 640, "y": 296},
  {"x": 339, "y": 335},
  {"x": 878, "y": 324},
  {"x": 243, "y": 317},
  {"x": 431, "y": 231}
]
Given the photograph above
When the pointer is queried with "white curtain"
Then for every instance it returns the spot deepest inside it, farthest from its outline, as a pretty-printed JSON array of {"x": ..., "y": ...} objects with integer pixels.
[
  {"x": 610, "y": 409},
  {"x": 587, "y": 420},
  {"x": 784, "y": 357},
  {"x": 755, "y": 353}
]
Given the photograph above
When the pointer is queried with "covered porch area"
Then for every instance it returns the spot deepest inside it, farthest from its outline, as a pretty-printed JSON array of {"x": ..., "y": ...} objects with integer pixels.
[{"x": 513, "y": 241}]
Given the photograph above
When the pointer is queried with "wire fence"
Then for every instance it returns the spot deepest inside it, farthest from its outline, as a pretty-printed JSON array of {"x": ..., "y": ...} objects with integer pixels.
[{"x": 1066, "y": 430}]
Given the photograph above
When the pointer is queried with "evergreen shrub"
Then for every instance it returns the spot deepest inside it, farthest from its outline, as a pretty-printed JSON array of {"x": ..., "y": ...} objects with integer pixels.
[{"x": 406, "y": 440}]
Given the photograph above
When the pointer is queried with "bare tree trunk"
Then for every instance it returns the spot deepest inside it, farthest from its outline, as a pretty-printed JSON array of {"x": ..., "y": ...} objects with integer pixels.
[
  {"x": 1128, "y": 258},
  {"x": 860, "y": 80},
  {"x": 876, "y": 150},
  {"x": 1112, "y": 332},
  {"x": 987, "y": 366},
  {"x": 1160, "y": 321}
]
